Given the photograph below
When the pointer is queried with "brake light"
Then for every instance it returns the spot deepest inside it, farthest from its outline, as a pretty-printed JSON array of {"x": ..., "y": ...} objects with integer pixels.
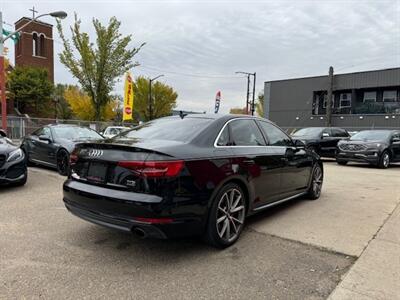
[
  {"x": 154, "y": 168},
  {"x": 154, "y": 220}
]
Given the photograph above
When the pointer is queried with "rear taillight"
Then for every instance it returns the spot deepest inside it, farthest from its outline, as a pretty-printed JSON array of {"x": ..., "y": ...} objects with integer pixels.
[{"x": 154, "y": 168}]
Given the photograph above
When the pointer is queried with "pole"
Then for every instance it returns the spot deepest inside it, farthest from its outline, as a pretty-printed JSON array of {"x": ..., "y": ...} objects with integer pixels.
[
  {"x": 254, "y": 92},
  {"x": 150, "y": 102},
  {"x": 2, "y": 78},
  {"x": 248, "y": 94},
  {"x": 329, "y": 99}
]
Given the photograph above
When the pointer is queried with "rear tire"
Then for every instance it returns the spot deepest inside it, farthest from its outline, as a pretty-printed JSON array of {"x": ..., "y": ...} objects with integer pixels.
[
  {"x": 317, "y": 178},
  {"x": 384, "y": 160},
  {"x": 226, "y": 217},
  {"x": 63, "y": 162}
]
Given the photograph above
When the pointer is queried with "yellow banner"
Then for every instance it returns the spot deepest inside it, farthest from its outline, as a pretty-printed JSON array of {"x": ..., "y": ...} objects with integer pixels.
[{"x": 128, "y": 97}]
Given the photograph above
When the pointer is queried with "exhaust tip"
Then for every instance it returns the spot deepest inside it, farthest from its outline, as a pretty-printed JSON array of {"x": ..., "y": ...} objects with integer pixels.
[{"x": 139, "y": 232}]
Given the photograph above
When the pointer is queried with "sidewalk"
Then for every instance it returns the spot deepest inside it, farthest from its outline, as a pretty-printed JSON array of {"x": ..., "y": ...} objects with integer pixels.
[{"x": 376, "y": 274}]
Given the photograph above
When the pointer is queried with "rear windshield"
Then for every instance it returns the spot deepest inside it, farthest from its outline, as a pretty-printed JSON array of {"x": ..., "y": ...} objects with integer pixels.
[
  {"x": 174, "y": 129},
  {"x": 371, "y": 135}
]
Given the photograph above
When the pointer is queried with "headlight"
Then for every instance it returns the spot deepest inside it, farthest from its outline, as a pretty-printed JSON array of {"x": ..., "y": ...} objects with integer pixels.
[{"x": 14, "y": 155}]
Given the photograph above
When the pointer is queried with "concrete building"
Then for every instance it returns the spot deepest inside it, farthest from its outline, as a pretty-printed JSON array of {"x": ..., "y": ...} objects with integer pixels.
[
  {"x": 35, "y": 47},
  {"x": 360, "y": 100}
]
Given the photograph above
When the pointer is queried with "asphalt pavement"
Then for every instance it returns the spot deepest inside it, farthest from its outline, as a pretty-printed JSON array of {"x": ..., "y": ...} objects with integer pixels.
[{"x": 300, "y": 250}]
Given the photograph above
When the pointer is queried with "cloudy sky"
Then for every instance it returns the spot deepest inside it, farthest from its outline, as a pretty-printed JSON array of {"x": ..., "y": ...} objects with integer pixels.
[{"x": 198, "y": 45}]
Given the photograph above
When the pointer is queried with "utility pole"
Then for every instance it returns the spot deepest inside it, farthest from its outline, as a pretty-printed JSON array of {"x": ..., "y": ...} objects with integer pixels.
[
  {"x": 150, "y": 98},
  {"x": 248, "y": 91},
  {"x": 329, "y": 99}
]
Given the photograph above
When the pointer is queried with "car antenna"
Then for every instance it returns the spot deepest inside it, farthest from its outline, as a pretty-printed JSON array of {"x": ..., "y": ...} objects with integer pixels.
[{"x": 182, "y": 114}]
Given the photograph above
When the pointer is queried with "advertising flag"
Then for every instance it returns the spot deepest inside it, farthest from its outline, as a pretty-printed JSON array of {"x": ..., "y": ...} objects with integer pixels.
[
  {"x": 128, "y": 98},
  {"x": 217, "y": 101}
]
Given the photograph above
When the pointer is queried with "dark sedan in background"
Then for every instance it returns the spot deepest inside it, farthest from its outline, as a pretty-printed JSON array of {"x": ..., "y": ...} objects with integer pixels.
[
  {"x": 51, "y": 145},
  {"x": 322, "y": 140},
  {"x": 13, "y": 168},
  {"x": 190, "y": 175},
  {"x": 377, "y": 147}
]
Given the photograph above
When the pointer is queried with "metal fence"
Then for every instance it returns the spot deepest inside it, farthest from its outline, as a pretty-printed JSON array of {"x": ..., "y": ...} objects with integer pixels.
[{"x": 18, "y": 127}]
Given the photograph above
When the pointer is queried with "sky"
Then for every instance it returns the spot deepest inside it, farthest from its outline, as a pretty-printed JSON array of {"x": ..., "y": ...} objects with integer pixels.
[{"x": 199, "y": 45}]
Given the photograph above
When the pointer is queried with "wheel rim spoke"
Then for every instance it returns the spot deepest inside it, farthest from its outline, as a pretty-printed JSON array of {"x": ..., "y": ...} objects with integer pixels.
[
  {"x": 239, "y": 208},
  {"x": 221, "y": 219}
]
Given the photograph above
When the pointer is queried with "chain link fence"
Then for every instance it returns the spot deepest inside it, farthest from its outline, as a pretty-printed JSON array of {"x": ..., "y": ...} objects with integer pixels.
[{"x": 18, "y": 127}]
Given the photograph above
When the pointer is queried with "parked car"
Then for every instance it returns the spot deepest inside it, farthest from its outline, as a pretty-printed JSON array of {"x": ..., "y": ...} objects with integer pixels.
[
  {"x": 190, "y": 175},
  {"x": 377, "y": 147},
  {"x": 13, "y": 168},
  {"x": 323, "y": 140},
  {"x": 112, "y": 131},
  {"x": 51, "y": 145}
]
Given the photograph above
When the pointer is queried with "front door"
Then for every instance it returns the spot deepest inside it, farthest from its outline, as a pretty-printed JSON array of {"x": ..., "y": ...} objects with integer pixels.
[
  {"x": 45, "y": 149},
  {"x": 396, "y": 146}
]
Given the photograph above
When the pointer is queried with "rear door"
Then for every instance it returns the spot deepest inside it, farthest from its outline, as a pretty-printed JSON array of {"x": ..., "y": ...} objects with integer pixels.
[
  {"x": 256, "y": 161},
  {"x": 295, "y": 164},
  {"x": 328, "y": 143}
]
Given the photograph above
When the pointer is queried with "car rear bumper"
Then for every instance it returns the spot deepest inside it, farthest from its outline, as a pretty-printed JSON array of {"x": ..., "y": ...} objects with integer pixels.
[
  {"x": 118, "y": 209},
  {"x": 369, "y": 157}
]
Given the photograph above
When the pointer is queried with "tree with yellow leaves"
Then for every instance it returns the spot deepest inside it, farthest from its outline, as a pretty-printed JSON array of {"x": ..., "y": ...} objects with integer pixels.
[{"x": 82, "y": 105}]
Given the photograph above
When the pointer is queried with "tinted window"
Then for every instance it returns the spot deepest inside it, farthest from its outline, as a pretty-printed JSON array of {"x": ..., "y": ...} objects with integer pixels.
[
  {"x": 224, "y": 137},
  {"x": 174, "y": 129},
  {"x": 327, "y": 131},
  {"x": 276, "y": 137},
  {"x": 338, "y": 132},
  {"x": 76, "y": 133},
  {"x": 246, "y": 133},
  {"x": 311, "y": 132}
]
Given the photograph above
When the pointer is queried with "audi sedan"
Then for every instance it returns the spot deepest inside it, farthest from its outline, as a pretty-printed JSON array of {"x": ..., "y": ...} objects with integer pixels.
[
  {"x": 51, "y": 145},
  {"x": 13, "y": 168},
  {"x": 190, "y": 175},
  {"x": 376, "y": 147}
]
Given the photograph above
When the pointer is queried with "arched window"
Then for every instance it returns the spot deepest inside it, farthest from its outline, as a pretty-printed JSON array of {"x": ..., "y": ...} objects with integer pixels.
[
  {"x": 42, "y": 48},
  {"x": 35, "y": 45}
]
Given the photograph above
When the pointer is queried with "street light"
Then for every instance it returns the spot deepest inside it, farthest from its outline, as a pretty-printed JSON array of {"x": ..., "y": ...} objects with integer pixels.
[
  {"x": 55, "y": 14},
  {"x": 150, "y": 99}
]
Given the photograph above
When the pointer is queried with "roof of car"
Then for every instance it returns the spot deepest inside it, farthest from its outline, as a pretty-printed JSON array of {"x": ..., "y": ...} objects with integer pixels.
[{"x": 216, "y": 116}]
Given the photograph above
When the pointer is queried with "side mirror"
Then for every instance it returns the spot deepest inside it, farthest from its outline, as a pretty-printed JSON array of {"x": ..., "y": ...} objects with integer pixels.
[
  {"x": 396, "y": 140},
  {"x": 325, "y": 135},
  {"x": 3, "y": 133},
  {"x": 45, "y": 138},
  {"x": 299, "y": 144}
]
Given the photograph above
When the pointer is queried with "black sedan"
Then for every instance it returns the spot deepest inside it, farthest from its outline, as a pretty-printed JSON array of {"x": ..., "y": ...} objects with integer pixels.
[
  {"x": 51, "y": 145},
  {"x": 12, "y": 162},
  {"x": 192, "y": 175},
  {"x": 377, "y": 147},
  {"x": 323, "y": 140}
]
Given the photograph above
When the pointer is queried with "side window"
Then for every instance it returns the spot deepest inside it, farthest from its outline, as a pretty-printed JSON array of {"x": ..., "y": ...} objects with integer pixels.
[
  {"x": 223, "y": 139},
  {"x": 246, "y": 133},
  {"x": 47, "y": 132},
  {"x": 38, "y": 132},
  {"x": 276, "y": 137},
  {"x": 337, "y": 132},
  {"x": 326, "y": 132},
  {"x": 396, "y": 136}
]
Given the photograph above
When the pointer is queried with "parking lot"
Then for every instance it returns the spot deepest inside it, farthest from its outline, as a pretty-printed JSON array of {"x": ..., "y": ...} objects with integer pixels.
[{"x": 299, "y": 250}]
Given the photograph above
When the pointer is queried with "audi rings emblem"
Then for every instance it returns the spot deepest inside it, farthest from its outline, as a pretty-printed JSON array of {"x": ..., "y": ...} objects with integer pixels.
[{"x": 95, "y": 153}]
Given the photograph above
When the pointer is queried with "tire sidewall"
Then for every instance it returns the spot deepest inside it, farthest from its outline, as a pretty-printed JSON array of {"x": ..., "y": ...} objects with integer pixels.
[
  {"x": 381, "y": 160},
  {"x": 67, "y": 168}
]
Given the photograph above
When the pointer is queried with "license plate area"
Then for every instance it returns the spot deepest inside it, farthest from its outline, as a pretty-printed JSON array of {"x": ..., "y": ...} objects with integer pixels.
[{"x": 97, "y": 172}]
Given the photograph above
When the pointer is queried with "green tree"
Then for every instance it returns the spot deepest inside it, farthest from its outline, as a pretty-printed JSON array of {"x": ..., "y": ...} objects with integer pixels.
[
  {"x": 97, "y": 67},
  {"x": 31, "y": 91},
  {"x": 64, "y": 110},
  {"x": 164, "y": 99},
  {"x": 238, "y": 111},
  {"x": 260, "y": 105}
]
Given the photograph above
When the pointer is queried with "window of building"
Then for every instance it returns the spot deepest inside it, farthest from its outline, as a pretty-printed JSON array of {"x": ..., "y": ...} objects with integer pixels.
[
  {"x": 325, "y": 103},
  {"x": 276, "y": 137},
  {"x": 369, "y": 97},
  {"x": 345, "y": 100},
  {"x": 246, "y": 133},
  {"x": 42, "y": 47},
  {"x": 389, "y": 96},
  {"x": 35, "y": 44}
]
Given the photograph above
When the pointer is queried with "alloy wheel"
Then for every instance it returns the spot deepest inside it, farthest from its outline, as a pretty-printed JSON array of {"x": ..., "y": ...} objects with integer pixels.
[
  {"x": 230, "y": 215},
  {"x": 317, "y": 181},
  {"x": 62, "y": 163},
  {"x": 386, "y": 159}
]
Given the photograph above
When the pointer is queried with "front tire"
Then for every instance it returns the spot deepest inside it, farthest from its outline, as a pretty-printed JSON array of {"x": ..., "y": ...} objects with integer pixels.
[
  {"x": 314, "y": 191},
  {"x": 384, "y": 160},
  {"x": 62, "y": 162},
  {"x": 226, "y": 217}
]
